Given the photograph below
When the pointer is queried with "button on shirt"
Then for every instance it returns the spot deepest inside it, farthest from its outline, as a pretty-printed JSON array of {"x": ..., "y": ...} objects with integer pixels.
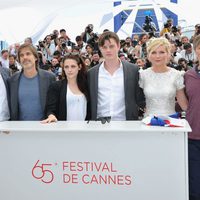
[
  {"x": 111, "y": 97},
  {"x": 4, "y": 110}
]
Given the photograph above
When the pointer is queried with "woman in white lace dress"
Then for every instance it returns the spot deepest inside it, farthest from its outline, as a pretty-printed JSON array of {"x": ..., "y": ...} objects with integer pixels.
[{"x": 161, "y": 84}]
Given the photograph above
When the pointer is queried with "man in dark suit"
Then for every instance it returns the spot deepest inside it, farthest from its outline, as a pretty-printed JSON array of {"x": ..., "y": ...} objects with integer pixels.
[
  {"x": 4, "y": 109},
  {"x": 28, "y": 88},
  {"x": 113, "y": 84}
]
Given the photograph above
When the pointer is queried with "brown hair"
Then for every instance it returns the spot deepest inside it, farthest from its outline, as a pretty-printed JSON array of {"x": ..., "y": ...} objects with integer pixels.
[
  {"x": 81, "y": 78},
  {"x": 32, "y": 49},
  {"x": 107, "y": 36}
]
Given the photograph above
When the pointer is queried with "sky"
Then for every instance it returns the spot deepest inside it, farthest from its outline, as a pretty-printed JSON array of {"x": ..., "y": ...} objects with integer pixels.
[{"x": 23, "y": 18}]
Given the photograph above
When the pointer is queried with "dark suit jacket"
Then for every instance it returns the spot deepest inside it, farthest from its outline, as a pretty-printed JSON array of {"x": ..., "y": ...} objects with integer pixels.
[
  {"x": 45, "y": 79},
  {"x": 56, "y": 100},
  {"x": 134, "y": 96}
]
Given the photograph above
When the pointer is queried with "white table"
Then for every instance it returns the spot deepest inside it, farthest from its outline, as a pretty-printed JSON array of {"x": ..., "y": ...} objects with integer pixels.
[{"x": 87, "y": 161}]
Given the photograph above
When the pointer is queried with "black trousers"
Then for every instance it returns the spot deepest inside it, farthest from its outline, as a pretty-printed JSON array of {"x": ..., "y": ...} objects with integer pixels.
[{"x": 194, "y": 169}]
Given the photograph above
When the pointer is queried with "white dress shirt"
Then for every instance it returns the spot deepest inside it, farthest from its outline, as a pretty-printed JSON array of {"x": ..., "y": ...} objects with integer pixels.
[
  {"x": 111, "y": 97},
  {"x": 4, "y": 110}
]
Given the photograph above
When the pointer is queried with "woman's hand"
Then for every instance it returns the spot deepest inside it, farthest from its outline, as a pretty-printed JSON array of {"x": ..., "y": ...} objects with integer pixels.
[{"x": 51, "y": 118}]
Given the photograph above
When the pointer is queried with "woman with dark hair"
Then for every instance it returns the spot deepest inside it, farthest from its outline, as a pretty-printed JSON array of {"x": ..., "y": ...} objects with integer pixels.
[{"x": 67, "y": 99}]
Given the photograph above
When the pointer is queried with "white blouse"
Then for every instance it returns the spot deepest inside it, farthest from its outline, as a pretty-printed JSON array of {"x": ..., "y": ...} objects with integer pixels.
[
  {"x": 160, "y": 90},
  {"x": 76, "y": 106}
]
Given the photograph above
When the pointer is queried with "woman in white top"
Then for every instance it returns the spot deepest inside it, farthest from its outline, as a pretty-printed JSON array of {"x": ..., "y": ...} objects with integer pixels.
[
  {"x": 160, "y": 83},
  {"x": 67, "y": 99}
]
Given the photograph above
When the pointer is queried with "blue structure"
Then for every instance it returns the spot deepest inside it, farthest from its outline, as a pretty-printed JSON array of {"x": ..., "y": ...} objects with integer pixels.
[{"x": 129, "y": 15}]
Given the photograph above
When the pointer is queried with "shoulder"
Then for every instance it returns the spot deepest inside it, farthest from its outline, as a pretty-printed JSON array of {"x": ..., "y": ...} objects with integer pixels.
[
  {"x": 46, "y": 73},
  {"x": 15, "y": 77},
  {"x": 130, "y": 66},
  {"x": 5, "y": 72},
  {"x": 58, "y": 84},
  {"x": 145, "y": 72},
  {"x": 190, "y": 72},
  {"x": 175, "y": 72},
  {"x": 94, "y": 69}
]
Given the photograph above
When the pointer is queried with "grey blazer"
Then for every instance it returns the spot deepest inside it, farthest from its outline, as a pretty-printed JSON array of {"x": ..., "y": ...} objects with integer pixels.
[
  {"x": 45, "y": 79},
  {"x": 134, "y": 96}
]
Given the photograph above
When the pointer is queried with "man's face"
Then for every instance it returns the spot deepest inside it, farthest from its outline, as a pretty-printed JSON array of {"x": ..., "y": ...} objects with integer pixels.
[
  {"x": 11, "y": 60},
  {"x": 79, "y": 42},
  {"x": 110, "y": 49},
  {"x": 54, "y": 62},
  {"x": 140, "y": 63},
  {"x": 63, "y": 34},
  {"x": 188, "y": 50},
  {"x": 27, "y": 59},
  {"x": 48, "y": 39},
  {"x": 5, "y": 55},
  {"x": 17, "y": 45},
  {"x": 144, "y": 39},
  {"x": 27, "y": 41},
  {"x": 95, "y": 57},
  {"x": 184, "y": 40}
]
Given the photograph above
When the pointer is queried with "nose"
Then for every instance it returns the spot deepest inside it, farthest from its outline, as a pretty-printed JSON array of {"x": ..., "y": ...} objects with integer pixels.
[{"x": 157, "y": 55}]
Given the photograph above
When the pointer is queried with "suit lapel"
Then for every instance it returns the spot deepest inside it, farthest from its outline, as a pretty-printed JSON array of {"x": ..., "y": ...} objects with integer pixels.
[
  {"x": 14, "y": 94},
  {"x": 63, "y": 100},
  {"x": 95, "y": 81},
  {"x": 126, "y": 75},
  {"x": 42, "y": 89}
]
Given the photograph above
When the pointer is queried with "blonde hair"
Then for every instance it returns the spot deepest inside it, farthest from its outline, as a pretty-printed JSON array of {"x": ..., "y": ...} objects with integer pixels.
[{"x": 154, "y": 43}]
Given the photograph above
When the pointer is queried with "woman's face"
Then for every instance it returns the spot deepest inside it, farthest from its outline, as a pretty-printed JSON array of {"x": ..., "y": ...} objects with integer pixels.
[
  {"x": 71, "y": 68},
  {"x": 159, "y": 56}
]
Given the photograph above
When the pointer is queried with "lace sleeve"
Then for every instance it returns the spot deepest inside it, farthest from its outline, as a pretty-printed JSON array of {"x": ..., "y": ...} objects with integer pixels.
[{"x": 179, "y": 82}]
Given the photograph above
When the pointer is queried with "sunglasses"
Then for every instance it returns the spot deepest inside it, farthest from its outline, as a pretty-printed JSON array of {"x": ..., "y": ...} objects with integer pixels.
[
  {"x": 72, "y": 54},
  {"x": 104, "y": 119}
]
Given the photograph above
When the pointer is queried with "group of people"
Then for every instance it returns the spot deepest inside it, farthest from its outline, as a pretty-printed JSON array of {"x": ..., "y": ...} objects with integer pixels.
[{"x": 113, "y": 89}]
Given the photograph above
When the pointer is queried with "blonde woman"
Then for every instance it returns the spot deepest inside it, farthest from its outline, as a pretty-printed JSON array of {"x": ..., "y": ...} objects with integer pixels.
[{"x": 160, "y": 83}]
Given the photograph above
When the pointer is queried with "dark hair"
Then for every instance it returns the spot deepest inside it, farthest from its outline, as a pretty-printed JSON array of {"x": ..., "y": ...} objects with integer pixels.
[
  {"x": 62, "y": 30},
  {"x": 12, "y": 56},
  {"x": 187, "y": 46},
  {"x": 81, "y": 78},
  {"x": 142, "y": 35},
  {"x": 33, "y": 51},
  {"x": 4, "y": 51},
  {"x": 180, "y": 60},
  {"x": 78, "y": 38},
  {"x": 56, "y": 53},
  {"x": 107, "y": 36}
]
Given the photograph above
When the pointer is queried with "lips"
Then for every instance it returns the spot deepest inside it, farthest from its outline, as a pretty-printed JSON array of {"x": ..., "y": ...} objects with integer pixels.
[{"x": 26, "y": 62}]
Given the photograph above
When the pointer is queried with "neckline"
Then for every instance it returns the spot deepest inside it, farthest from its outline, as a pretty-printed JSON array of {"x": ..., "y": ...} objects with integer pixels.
[
  {"x": 68, "y": 88},
  {"x": 169, "y": 69}
]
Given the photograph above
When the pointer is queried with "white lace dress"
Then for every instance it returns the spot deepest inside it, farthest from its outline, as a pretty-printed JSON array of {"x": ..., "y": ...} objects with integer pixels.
[{"x": 160, "y": 90}]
